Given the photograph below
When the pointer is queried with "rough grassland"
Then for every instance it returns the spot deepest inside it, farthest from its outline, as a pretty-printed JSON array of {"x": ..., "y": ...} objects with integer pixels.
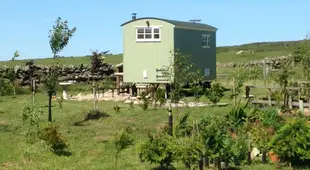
[
  {"x": 225, "y": 54},
  {"x": 91, "y": 144}
]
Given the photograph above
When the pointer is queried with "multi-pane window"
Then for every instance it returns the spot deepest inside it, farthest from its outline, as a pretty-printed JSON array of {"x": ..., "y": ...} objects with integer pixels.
[
  {"x": 205, "y": 40},
  {"x": 148, "y": 34}
]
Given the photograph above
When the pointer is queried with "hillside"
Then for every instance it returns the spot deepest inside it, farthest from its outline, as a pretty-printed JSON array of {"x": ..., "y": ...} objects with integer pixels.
[{"x": 225, "y": 54}]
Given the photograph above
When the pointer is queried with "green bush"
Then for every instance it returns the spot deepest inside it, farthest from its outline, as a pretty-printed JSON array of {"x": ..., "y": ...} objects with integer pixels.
[
  {"x": 158, "y": 150},
  {"x": 189, "y": 150},
  {"x": 215, "y": 93},
  {"x": 292, "y": 142},
  {"x": 54, "y": 139}
]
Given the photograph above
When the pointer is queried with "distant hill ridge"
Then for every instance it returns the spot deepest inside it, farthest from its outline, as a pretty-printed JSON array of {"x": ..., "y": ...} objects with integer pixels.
[{"x": 225, "y": 54}]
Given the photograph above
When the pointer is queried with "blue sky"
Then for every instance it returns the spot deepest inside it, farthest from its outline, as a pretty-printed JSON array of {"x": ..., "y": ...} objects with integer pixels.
[{"x": 25, "y": 24}]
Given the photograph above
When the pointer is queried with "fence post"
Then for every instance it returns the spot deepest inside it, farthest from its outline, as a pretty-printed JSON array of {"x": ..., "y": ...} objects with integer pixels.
[
  {"x": 247, "y": 92},
  {"x": 290, "y": 100},
  {"x": 269, "y": 97}
]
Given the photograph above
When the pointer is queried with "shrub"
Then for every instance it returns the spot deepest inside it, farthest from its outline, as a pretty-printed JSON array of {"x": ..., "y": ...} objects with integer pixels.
[
  {"x": 291, "y": 143},
  {"x": 145, "y": 101},
  {"x": 123, "y": 140},
  {"x": 189, "y": 150},
  {"x": 160, "y": 96},
  {"x": 116, "y": 108},
  {"x": 269, "y": 117},
  {"x": 218, "y": 142},
  {"x": 236, "y": 116},
  {"x": 158, "y": 149},
  {"x": 54, "y": 139},
  {"x": 215, "y": 93},
  {"x": 184, "y": 126}
]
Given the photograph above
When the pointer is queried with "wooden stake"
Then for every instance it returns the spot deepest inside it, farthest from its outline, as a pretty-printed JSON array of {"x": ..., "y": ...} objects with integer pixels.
[{"x": 269, "y": 97}]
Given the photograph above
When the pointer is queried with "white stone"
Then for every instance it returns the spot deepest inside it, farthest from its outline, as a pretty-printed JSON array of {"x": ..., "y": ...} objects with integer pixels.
[{"x": 127, "y": 101}]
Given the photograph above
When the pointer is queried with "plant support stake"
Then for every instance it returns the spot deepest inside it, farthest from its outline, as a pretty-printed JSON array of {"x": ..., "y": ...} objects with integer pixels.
[{"x": 170, "y": 121}]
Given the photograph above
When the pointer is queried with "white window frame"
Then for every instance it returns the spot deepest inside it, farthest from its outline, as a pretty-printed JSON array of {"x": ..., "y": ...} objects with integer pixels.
[
  {"x": 152, "y": 39},
  {"x": 205, "y": 40}
]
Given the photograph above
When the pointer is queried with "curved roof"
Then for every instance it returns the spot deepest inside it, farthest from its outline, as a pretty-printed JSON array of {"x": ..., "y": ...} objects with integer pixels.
[{"x": 177, "y": 23}]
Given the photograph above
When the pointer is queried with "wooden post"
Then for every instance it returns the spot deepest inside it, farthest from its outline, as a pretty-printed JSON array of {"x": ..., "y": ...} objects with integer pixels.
[
  {"x": 247, "y": 92},
  {"x": 269, "y": 97},
  {"x": 301, "y": 106},
  {"x": 117, "y": 81},
  {"x": 290, "y": 101}
]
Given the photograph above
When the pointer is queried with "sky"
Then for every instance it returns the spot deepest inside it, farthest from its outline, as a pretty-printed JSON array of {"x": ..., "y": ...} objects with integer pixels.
[{"x": 25, "y": 24}]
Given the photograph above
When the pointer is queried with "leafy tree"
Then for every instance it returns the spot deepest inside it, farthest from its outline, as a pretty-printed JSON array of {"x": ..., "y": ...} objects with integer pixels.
[
  {"x": 11, "y": 74},
  {"x": 59, "y": 38},
  {"x": 96, "y": 63},
  {"x": 180, "y": 71}
]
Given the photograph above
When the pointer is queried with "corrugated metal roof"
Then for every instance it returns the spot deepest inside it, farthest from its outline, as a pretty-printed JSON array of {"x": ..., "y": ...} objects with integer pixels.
[{"x": 178, "y": 23}]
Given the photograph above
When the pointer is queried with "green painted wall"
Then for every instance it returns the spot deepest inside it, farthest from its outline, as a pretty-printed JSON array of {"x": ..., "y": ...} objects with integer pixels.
[
  {"x": 140, "y": 56},
  {"x": 190, "y": 42}
]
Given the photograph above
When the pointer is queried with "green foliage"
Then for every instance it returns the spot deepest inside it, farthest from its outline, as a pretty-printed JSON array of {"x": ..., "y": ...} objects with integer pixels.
[
  {"x": 240, "y": 146},
  {"x": 215, "y": 93},
  {"x": 260, "y": 136},
  {"x": 31, "y": 116},
  {"x": 145, "y": 101},
  {"x": 50, "y": 81},
  {"x": 183, "y": 127},
  {"x": 16, "y": 55},
  {"x": 236, "y": 116},
  {"x": 51, "y": 135},
  {"x": 160, "y": 96},
  {"x": 180, "y": 71},
  {"x": 60, "y": 35},
  {"x": 116, "y": 108},
  {"x": 291, "y": 143},
  {"x": 158, "y": 149},
  {"x": 3, "y": 85},
  {"x": 215, "y": 135},
  {"x": 11, "y": 73},
  {"x": 60, "y": 101},
  {"x": 269, "y": 117},
  {"x": 97, "y": 61},
  {"x": 123, "y": 140},
  {"x": 189, "y": 150}
]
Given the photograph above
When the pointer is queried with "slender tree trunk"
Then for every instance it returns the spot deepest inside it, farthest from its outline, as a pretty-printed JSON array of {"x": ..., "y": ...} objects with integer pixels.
[
  {"x": 50, "y": 107},
  {"x": 170, "y": 120},
  {"x": 201, "y": 163},
  {"x": 94, "y": 92},
  {"x": 207, "y": 161},
  {"x": 264, "y": 160},
  {"x": 249, "y": 158}
]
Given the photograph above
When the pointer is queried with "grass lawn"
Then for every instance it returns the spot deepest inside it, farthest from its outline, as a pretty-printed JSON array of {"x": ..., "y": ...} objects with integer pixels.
[{"x": 91, "y": 145}]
